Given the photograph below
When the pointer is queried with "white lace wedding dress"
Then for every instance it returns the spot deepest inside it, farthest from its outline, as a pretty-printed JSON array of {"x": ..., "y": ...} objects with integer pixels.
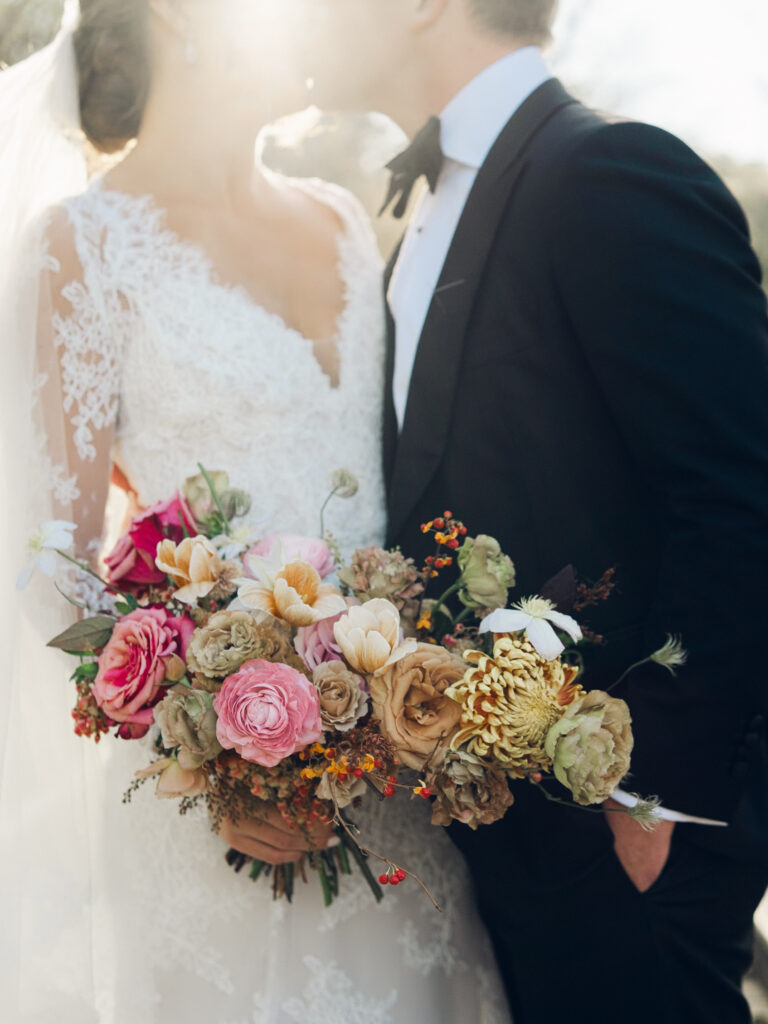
[{"x": 174, "y": 367}]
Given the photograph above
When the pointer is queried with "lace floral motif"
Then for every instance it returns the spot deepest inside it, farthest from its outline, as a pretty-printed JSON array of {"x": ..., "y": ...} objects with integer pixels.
[{"x": 189, "y": 369}]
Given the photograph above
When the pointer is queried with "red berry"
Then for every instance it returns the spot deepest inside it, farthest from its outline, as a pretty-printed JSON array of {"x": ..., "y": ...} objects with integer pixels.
[
  {"x": 384, "y": 879},
  {"x": 430, "y": 559},
  {"x": 439, "y": 524},
  {"x": 426, "y": 793},
  {"x": 448, "y": 515},
  {"x": 394, "y": 880},
  {"x": 453, "y": 544},
  {"x": 358, "y": 773},
  {"x": 401, "y": 874},
  {"x": 389, "y": 790}
]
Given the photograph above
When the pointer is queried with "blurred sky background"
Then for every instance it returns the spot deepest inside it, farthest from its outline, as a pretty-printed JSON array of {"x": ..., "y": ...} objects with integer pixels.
[{"x": 698, "y": 67}]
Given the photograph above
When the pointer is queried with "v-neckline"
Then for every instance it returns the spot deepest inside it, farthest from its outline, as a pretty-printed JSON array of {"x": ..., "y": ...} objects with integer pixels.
[{"x": 158, "y": 225}]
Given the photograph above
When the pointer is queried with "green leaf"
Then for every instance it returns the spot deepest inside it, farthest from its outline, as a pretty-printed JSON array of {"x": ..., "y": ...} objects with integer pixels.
[{"x": 85, "y": 637}]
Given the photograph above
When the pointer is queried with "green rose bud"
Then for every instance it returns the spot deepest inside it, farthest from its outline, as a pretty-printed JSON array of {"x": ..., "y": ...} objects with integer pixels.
[
  {"x": 486, "y": 574},
  {"x": 591, "y": 745},
  {"x": 187, "y": 720}
]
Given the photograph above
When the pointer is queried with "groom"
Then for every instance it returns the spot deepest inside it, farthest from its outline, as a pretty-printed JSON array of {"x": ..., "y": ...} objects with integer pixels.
[{"x": 578, "y": 366}]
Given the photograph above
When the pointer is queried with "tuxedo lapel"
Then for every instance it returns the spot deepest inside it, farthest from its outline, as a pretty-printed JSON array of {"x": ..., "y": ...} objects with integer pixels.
[{"x": 438, "y": 359}]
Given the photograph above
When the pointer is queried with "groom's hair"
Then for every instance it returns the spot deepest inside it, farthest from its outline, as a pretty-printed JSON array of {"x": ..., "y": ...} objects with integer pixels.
[{"x": 529, "y": 20}]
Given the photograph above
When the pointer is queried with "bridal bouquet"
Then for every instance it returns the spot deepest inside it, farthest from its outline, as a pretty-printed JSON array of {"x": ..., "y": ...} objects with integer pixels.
[{"x": 269, "y": 674}]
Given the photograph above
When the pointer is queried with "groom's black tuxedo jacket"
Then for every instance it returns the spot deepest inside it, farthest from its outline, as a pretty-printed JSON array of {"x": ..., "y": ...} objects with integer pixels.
[{"x": 591, "y": 388}]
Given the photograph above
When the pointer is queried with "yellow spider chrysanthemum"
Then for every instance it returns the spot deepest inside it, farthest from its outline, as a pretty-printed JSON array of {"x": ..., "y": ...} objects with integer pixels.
[{"x": 510, "y": 702}]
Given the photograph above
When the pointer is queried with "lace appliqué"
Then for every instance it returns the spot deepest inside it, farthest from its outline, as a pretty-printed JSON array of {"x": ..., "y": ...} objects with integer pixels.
[{"x": 89, "y": 370}]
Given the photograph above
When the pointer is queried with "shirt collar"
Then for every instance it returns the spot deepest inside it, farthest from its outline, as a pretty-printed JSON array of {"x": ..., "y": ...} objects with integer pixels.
[{"x": 498, "y": 91}]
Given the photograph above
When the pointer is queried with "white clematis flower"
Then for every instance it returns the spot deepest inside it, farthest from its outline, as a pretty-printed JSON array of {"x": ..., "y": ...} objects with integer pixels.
[
  {"x": 535, "y": 616},
  {"x": 52, "y": 536}
]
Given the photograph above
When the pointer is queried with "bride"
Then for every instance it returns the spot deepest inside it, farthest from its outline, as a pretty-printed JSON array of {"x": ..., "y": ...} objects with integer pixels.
[{"x": 194, "y": 306}]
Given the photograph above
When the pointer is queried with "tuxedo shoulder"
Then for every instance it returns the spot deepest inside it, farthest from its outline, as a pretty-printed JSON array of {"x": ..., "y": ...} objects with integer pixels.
[{"x": 592, "y": 140}]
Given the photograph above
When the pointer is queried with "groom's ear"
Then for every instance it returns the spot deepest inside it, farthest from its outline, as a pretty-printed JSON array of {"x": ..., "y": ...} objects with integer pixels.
[{"x": 428, "y": 12}]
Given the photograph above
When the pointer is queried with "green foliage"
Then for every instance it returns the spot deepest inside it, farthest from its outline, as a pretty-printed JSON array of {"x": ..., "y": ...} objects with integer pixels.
[{"x": 85, "y": 637}]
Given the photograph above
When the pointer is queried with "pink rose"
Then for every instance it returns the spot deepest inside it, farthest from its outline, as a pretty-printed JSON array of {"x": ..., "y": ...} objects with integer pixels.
[
  {"x": 131, "y": 565},
  {"x": 132, "y": 666},
  {"x": 296, "y": 549},
  {"x": 316, "y": 644},
  {"x": 267, "y": 712}
]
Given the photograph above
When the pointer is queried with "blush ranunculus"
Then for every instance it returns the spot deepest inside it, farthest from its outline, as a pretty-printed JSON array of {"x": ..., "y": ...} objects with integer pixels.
[
  {"x": 133, "y": 665},
  {"x": 317, "y": 644},
  {"x": 267, "y": 712},
  {"x": 131, "y": 564},
  {"x": 295, "y": 549}
]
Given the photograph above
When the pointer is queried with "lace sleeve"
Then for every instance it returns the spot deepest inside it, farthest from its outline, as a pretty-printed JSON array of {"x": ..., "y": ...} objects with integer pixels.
[{"x": 76, "y": 382}]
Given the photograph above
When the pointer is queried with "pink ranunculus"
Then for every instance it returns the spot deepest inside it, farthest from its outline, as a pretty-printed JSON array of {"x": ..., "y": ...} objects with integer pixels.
[
  {"x": 296, "y": 549},
  {"x": 132, "y": 666},
  {"x": 267, "y": 712},
  {"x": 317, "y": 644},
  {"x": 131, "y": 565}
]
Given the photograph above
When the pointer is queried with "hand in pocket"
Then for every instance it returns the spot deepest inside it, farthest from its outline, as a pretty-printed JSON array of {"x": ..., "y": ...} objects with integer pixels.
[{"x": 643, "y": 855}]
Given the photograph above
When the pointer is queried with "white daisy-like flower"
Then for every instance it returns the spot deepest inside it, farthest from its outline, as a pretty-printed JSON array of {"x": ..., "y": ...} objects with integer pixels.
[
  {"x": 534, "y": 616},
  {"x": 43, "y": 546}
]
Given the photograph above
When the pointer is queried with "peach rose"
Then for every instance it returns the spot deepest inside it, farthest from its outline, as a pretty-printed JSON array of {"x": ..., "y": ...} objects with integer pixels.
[
  {"x": 370, "y": 637},
  {"x": 143, "y": 647},
  {"x": 267, "y": 712},
  {"x": 193, "y": 565},
  {"x": 410, "y": 702},
  {"x": 294, "y": 594}
]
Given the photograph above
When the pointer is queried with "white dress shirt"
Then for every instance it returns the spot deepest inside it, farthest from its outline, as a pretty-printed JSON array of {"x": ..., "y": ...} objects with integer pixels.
[{"x": 470, "y": 125}]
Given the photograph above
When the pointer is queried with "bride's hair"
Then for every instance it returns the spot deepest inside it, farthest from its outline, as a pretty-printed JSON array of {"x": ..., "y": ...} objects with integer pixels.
[{"x": 114, "y": 69}]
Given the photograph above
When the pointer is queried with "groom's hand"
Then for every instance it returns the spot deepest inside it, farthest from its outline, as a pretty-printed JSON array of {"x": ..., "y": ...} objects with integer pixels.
[
  {"x": 643, "y": 855},
  {"x": 274, "y": 840}
]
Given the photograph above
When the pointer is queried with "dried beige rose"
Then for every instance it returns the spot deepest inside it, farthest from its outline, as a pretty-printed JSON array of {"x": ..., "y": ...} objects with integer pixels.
[
  {"x": 186, "y": 719},
  {"x": 193, "y": 565},
  {"x": 227, "y": 641},
  {"x": 370, "y": 637},
  {"x": 295, "y": 594},
  {"x": 342, "y": 793},
  {"x": 410, "y": 700},
  {"x": 470, "y": 791},
  {"x": 591, "y": 745},
  {"x": 343, "y": 701}
]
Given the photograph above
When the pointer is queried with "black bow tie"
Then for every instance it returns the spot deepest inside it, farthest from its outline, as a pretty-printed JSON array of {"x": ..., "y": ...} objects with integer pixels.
[{"x": 423, "y": 157}]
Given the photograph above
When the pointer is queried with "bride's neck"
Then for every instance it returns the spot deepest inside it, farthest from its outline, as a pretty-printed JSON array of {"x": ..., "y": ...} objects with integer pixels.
[{"x": 197, "y": 145}]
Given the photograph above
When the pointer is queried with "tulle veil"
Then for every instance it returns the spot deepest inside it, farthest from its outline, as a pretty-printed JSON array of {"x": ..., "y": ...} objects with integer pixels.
[{"x": 48, "y": 882}]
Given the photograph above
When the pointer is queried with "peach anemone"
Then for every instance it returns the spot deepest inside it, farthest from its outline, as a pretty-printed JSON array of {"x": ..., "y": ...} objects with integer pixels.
[{"x": 295, "y": 594}]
